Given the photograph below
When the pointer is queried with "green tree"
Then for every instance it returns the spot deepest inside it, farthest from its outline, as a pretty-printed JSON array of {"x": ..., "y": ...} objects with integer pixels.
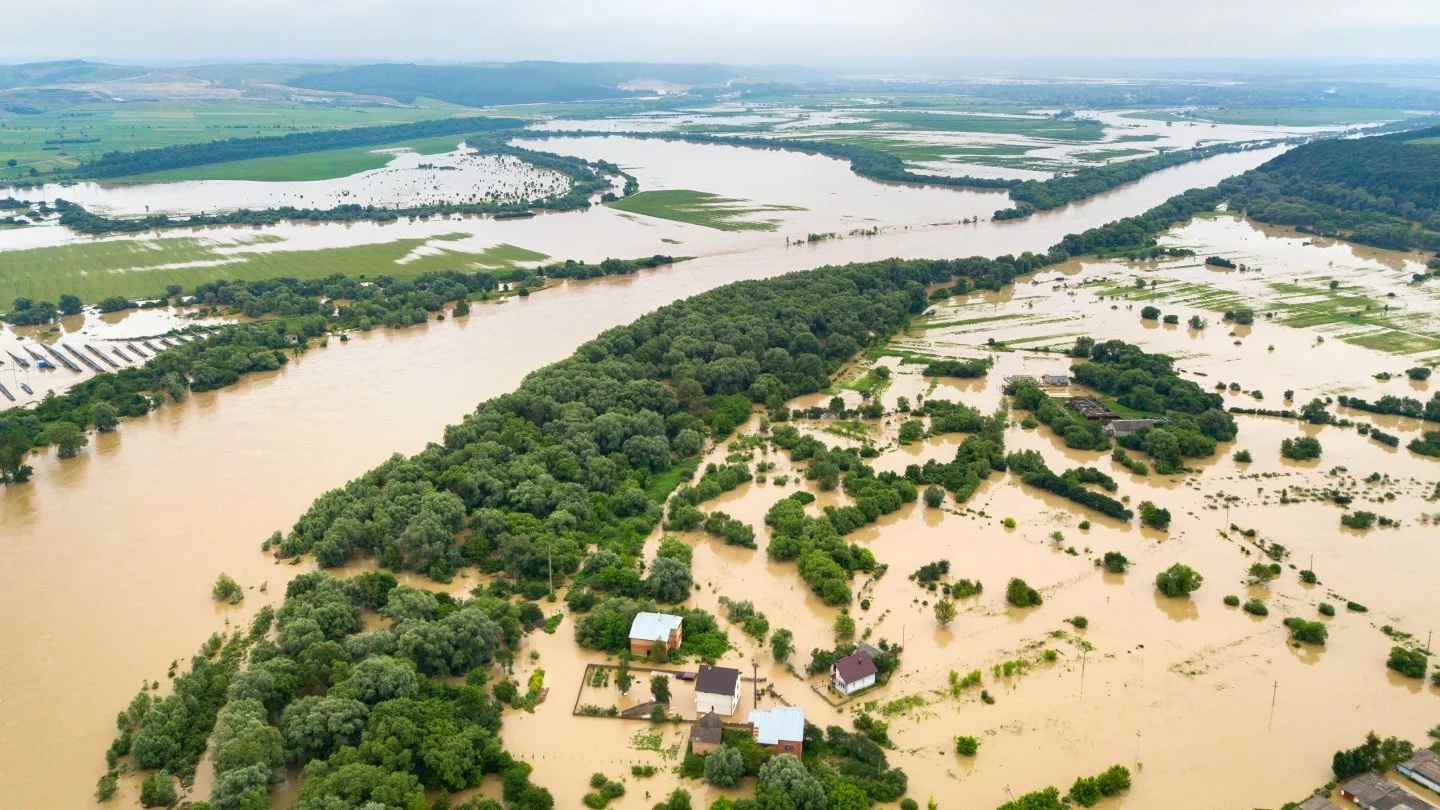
[
  {"x": 1150, "y": 313},
  {"x": 1178, "y": 580},
  {"x": 934, "y": 496},
  {"x": 158, "y": 790},
  {"x": 844, "y": 626},
  {"x": 69, "y": 305},
  {"x": 660, "y": 687},
  {"x": 1153, "y": 516},
  {"x": 847, "y": 796},
  {"x": 724, "y": 767},
  {"x": 227, "y": 590},
  {"x": 782, "y": 644},
  {"x": 944, "y": 612},
  {"x": 623, "y": 678},
  {"x": 1021, "y": 595},
  {"x": 103, "y": 415},
  {"x": 966, "y": 746},
  {"x": 669, "y": 580},
  {"x": 67, "y": 437}
]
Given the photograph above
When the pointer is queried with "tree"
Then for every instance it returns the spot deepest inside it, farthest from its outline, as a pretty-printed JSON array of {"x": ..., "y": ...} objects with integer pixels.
[
  {"x": 67, "y": 437},
  {"x": 376, "y": 680},
  {"x": 1303, "y": 448},
  {"x": 934, "y": 496},
  {"x": 847, "y": 796},
  {"x": 623, "y": 678},
  {"x": 966, "y": 746},
  {"x": 158, "y": 790},
  {"x": 69, "y": 305},
  {"x": 782, "y": 644},
  {"x": 844, "y": 626},
  {"x": 1115, "y": 562},
  {"x": 944, "y": 612},
  {"x": 1178, "y": 580},
  {"x": 660, "y": 687},
  {"x": 1410, "y": 663},
  {"x": 1263, "y": 572},
  {"x": 227, "y": 590},
  {"x": 1314, "y": 412},
  {"x": 1153, "y": 516},
  {"x": 1021, "y": 595},
  {"x": 102, "y": 414},
  {"x": 724, "y": 767},
  {"x": 669, "y": 580},
  {"x": 1150, "y": 313}
]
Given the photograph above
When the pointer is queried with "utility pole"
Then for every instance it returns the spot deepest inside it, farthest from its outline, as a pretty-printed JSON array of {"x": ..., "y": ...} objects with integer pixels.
[
  {"x": 1082, "y": 674},
  {"x": 550, "y": 561},
  {"x": 1137, "y": 749},
  {"x": 1273, "y": 694},
  {"x": 1428, "y": 635},
  {"x": 755, "y": 679}
]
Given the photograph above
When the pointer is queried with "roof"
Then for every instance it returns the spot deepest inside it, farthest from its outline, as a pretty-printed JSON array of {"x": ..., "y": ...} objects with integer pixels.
[
  {"x": 1370, "y": 790},
  {"x": 1055, "y": 375},
  {"x": 1131, "y": 424},
  {"x": 717, "y": 680},
  {"x": 654, "y": 626},
  {"x": 708, "y": 729},
  {"x": 1317, "y": 803},
  {"x": 777, "y": 725},
  {"x": 855, "y": 667},
  {"x": 1425, "y": 763}
]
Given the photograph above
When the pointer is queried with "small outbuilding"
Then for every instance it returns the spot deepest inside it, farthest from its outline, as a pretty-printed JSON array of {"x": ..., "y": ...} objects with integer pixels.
[
  {"x": 649, "y": 628},
  {"x": 781, "y": 729},
  {"x": 706, "y": 734},
  {"x": 717, "y": 690},
  {"x": 1055, "y": 378},
  {"x": 1423, "y": 768},
  {"x": 853, "y": 673}
]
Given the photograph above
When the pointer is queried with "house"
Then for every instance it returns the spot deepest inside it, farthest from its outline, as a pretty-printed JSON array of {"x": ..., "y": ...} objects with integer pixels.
[
  {"x": 1423, "y": 769},
  {"x": 1317, "y": 803},
  {"x": 649, "y": 628},
  {"x": 1372, "y": 792},
  {"x": 1055, "y": 378},
  {"x": 705, "y": 734},
  {"x": 717, "y": 690},
  {"x": 1124, "y": 427},
  {"x": 781, "y": 729},
  {"x": 1090, "y": 408},
  {"x": 853, "y": 673}
]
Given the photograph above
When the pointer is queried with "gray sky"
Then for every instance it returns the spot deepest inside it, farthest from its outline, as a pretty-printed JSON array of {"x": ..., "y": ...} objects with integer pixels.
[{"x": 828, "y": 33}]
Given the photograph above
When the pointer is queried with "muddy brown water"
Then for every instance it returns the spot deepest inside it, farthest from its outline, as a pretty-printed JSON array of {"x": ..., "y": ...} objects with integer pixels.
[{"x": 110, "y": 557}]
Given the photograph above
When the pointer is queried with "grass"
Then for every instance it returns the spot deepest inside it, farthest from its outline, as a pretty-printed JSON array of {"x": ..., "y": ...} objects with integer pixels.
[
  {"x": 662, "y": 484},
  {"x": 137, "y": 268},
  {"x": 913, "y": 152},
  {"x": 93, "y": 129},
  {"x": 1068, "y": 129},
  {"x": 324, "y": 165},
  {"x": 701, "y": 208},
  {"x": 1102, "y": 155},
  {"x": 971, "y": 321}
]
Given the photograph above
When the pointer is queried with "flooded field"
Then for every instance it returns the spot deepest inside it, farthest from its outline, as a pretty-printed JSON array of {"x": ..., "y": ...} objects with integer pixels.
[
  {"x": 106, "y": 584},
  {"x": 410, "y": 179}
]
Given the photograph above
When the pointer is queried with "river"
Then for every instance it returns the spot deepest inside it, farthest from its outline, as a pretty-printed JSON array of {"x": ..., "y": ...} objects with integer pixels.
[{"x": 110, "y": 556}]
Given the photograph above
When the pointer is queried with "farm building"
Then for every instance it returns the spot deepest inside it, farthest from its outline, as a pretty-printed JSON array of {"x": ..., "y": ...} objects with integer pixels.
[
  {"x": 706, "y": 733},
  {"x": 649, "y": 628},
  {"x": 1423, "y": 769},
  {"x": 1091, "y": 409},
  {"x": 1055, "y": 378},
  {"x": 1372, "y": 792},
  {"x": 853, "y": 673},
  {"x": 781, "y": 729},
  {"x": 1124, "y": 427},
  {"x": 717, "y": 690}
]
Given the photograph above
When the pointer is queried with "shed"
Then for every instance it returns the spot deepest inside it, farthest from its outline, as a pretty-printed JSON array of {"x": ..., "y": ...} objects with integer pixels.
[
  {"x": 781, "y": 729},
  {"x": 717, "y": 690},
  {"x": 1055, "y": 378},
  {"x": 1423, "y": 768},
  {"x": 853, "y": 673},
  {"x": 648, "y": 628},
  {"x": 706, "y": 733}
]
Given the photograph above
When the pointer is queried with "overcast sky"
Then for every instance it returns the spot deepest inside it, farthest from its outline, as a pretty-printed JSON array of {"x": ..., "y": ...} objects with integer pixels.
[{"x": 826, "y": 33}]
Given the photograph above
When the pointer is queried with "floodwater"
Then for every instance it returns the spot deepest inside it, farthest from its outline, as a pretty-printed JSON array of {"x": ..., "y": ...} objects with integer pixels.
[
  {"x": 110, "y": 556},
  {"x": 409, "y": 179}
]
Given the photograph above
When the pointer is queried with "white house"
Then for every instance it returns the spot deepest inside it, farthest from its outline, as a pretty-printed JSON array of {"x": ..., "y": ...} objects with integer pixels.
[
  {"x": 853, "y": 673},
  {"x": 717, "y": 689}
]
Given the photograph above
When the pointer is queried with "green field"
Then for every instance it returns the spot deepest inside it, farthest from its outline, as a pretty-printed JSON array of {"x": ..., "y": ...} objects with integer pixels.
[
  {"x": 137, "y": 268},
  {"x": 1280, "y": 116},
  {"x": 1102, "y": 155},
  {"x": 914, "y": 152},
  {"x": 90, "y": 130},
  {"x": 701, "y": 208},
  {"x": 325, "y": 165}
]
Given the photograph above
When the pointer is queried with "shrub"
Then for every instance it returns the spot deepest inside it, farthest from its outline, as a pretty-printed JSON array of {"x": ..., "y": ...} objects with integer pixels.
[
  {"x": 1307, "y": 632},
  {"x": 934, "y": 496},
  {"x": 1078, "y": 622},
  {"x": 1150, "y": 313},
  {"x": 227, "y": 590},
  {"x": 1021, "y": 595},
  {"x": 1256, "y": 608},
  {"x": 1303, "y": 448},
  {"x": 1243, "y": 456},
  {"x": 1008, "y": 522},
  {"x": 1232, "y": 600},
  {"x": 1410, "y": 663},
  {"x": 1358, "y": 520},
  {"x": 1178, "y": 580},
  {"x": 966, "y": 746},
  {"x": 1115, "y": 562},
  {"x": 1153, "y": 516},
  {"x": 158, "y": 790},
  {"x": 1327, "y": 609},
  {"x": 1357, "y": 607}
]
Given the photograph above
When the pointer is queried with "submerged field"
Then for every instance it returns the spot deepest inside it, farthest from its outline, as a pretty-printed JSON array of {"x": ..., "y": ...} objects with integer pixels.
[{"x": 701, "y": 208}]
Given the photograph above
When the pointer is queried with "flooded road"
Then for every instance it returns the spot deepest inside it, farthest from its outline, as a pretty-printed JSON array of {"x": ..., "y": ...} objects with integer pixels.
[{"x": 110, "y": 557}]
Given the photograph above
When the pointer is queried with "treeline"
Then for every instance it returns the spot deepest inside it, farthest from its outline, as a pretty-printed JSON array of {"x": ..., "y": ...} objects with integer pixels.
[
  {"x": 296, "y": 307},
  {"x": 1382, "y": 191},
  {"x": 1042, "y": 195},
  {"x": 322, "y": 694},
  {"x": 864, "y": 161},
  {"x": 1391, "y": 405},
  {"x": 1031, "y": 468},
  {"x": 180, "y": 156}
]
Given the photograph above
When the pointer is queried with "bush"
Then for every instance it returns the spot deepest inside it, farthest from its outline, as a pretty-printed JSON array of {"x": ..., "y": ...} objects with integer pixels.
[
  {"x": 1153, "y": 516},
  {"x": 1115, "y": 562},
  {"x": 1021, "y": 595},
  {"x": 1410, "y": 663},
  {"x": 1178, "y": 580},
  {"x": 1303, "y": 448},
  {"x": 1327, "y": 609},
  {"x": 1078, "y": 622},
  {"x": 1357, "y": 607},
  {"x": 1232, "y": 600},
  {"x": 1243, "y": 456},
  {"x": 1358, "y": 520},
  {"x": 1307, "y": 632},
  {"x": 934, "y": 496},
  {"x": 158, "y": 790},
  {"x": 1256, "y": 608},
  {"x": 1150, "y": 313},
  {"x": 724, "y": 767},
  {"x": 966, "y": 746},
  {"x": 227, "y": 590}
]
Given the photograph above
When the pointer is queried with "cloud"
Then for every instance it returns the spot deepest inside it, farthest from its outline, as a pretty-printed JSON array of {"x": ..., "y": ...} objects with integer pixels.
[{"x": 824, "y": 32}]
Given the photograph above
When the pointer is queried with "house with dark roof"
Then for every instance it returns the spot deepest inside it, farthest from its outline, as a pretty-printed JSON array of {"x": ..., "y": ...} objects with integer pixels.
[
  {"x": 648, "y": 629},
  {"x": 706, "y": 733},
  {"x": 717, "y": 689},
  {"x": 853, "y": 673},
  {"x": 781, "y": 729},
  {"x": 1423, "y": 768},
  {"x": 1372, "y": 792}
]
